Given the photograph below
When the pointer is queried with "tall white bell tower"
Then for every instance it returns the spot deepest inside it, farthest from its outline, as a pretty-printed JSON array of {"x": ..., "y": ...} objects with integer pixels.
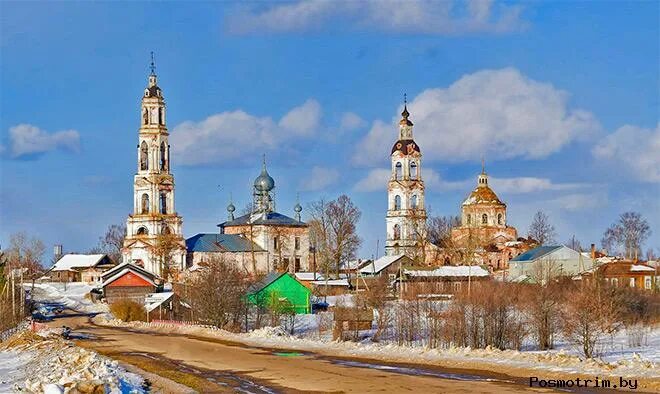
[
  {"x": 406, "y": 215},
  {"x": 154, "y": 224}
]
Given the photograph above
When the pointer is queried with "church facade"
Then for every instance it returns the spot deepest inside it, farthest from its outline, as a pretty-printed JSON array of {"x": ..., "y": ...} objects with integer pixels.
[{"x": 154, "y": 221}]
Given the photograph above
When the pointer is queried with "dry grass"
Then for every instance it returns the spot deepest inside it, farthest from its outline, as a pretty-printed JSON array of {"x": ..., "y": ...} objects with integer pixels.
[{"x": 128, "y": 310}]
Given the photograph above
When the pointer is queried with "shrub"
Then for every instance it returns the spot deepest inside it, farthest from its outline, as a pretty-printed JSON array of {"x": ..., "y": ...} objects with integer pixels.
[{"x": 128, "y": 310}]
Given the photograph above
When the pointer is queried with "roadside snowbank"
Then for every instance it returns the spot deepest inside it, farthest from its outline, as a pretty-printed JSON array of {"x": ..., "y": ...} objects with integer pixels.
[
  {"x": 72, "y": 295},
  {"x": 489, "y": 358},
  {"x": 34, "y": 364}
]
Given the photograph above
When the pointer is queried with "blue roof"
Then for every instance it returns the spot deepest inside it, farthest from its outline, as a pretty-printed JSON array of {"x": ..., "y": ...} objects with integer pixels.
[
  {"x": 272, "y": 219},
  {"x": 536, "y": 253},
  {"x": 221, "y": 243}
]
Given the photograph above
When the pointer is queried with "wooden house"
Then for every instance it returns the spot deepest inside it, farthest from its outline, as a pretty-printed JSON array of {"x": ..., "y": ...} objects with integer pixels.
[
  {"x": 626, "y": 273},
  {"x": 129, "y": 281},
  {"x": 86, "y": 268},
  {"x": 280, "y": 289},
  {"x": 440, "y": 281}
]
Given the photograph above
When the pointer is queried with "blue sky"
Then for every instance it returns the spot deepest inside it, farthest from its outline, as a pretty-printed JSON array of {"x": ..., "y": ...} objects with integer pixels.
[{"x": 560, "y": 97}]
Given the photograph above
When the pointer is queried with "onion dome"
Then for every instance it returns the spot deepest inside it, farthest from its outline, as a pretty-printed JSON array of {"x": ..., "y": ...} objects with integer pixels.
[
  {"x": 297, "y": 208},
  {"x": 264, "y": 182},
  {"x": 404, "y": 116},
  {"x": 231, "y": 208},
  {"x": 483, "y": 194}
]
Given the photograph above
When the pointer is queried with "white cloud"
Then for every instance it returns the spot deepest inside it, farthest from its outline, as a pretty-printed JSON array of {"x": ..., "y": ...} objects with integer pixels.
[
  {"x": 319, "y": 179},
  {"x": 303, "y": 120},
  {"x": 234, "y": 134},
  {"x": 496, "y": 113},
  {"x": 635, "y": 149},
  {"x": 375, "y": 180},
  {"x": 351, "y": 121},
  {"x": 521, "y": 185},
  {"x": 400, "y": 16},
  {"x": 26, "y": 139},
  {"x": 581, "y": 201}
]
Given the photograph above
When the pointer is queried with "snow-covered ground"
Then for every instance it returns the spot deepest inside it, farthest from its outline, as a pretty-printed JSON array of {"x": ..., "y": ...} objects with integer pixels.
[
  {"x": 52, "y": 365},
  {"x": 74, "y": 295},
  {"x": 636, "y": 363}
]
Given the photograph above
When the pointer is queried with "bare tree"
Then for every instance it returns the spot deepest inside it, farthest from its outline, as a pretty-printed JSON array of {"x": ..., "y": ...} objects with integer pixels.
[
  {"x": 439, "y": 229},
  {"x": 216, "y": 293},
  {"x": 574, "y": 243},
  {"x": 164, "y": 249},
  {"x": 541, "y": 229},
  {"x": 628, "y": 233},
  {"x": 542, "y": 304},
  {"x": 334, "y": 231},
  {"x": 112, "y": 242}
]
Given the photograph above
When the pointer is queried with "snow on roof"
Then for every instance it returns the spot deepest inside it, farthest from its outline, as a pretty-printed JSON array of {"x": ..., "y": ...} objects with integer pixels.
[
  {"x": 449, "y": 271},
  {"x": 309, "y": 276},
  {"x": 154, "y": 300},
  {"x": 636, "y": 267},
  {"x": 124, "y": 271},
  {"x": 380, "y": 264},
  {"x": 70, "y": 261},
  {"x": 332, "y": 282},
  {"x": 512, "y": 243}
]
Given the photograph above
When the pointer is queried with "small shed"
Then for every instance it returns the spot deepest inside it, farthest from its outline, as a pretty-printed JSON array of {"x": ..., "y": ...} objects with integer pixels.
[
  {"x": 282, "y": 287},
  {"x": 128, "y": 281}
]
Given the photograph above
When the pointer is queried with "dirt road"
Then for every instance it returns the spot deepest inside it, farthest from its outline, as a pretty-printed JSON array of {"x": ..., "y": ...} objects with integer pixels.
[{"x": 209, "y": 365}]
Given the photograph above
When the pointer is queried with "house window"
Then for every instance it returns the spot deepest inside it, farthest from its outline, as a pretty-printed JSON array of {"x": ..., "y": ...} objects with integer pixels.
[
  {"x": 632, "y": 282},
  {"x": 469, "y": 219},
  {"x": 615, "y": 281},
  {"x": 391, "y": 277},
  {"x": 456, "y": 286},
  {"x": 484, "y": 219},
  {"x": 397, "y": 202},
  {"x": 285, "y": 262},
  {"x": 647, "y": 283},
  {"x": 275, "y": 245},
  {"x": 413, "y": 202},
  {"x": 398, "y": 171},
  {"x": 499, "y": 218},
  {"x": 296, "y": 243},
  {"x": 413, "y": 170},
  {"x": 297, "y": 264}
]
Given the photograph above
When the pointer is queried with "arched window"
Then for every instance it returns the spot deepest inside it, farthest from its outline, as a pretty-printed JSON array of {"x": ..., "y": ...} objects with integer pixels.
[
  {"x": 413, "y": 170},
  {"x": 398, "y": 171},
  {"x": 163, "y": 203},
  {"x": 397, "y": 231},
  {"x": 484, "y": 219},
  {"x": 160, "y": 116},
  {"x": 397, "y": 202},
  {"x": 413, "y": 201},
  {"x": 499, "y": 218},
  {"x": 142, "y": 231},
  {"x": 145, "y": 115},
  {"x": 469, "y": 219},
  {"x": 163, "y": 156},
  {"x": 144, "y": 156},
  {"x": 145, "y": 204}
]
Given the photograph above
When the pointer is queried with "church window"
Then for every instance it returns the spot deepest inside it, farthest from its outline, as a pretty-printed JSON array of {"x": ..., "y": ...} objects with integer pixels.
[
  {"x": 163, "y": 203},
  {"x": 145, "y": 204},
  {"x": 469, "y": 219},
  {"x": 165, "y": 229},
  {"x": 296, "y": 243},
  {"x": 499, "y": 218},
  {"x": 484, "y": 219},
  {"x": 275, "y": 245},
  {"x": 397, "y": 202},
  {"x": 142, "y": 231},
  {"x": 160, "y": 116},
  {"x": 413, "y": 170},
  {"x": 163, "y": 156},
  {"x": 144, "y": 156},
  {"x": 397, "y": 231},
  {"x": 398, "y": 171},
  {"x": 145, "y": 116},
  {"x": 413, "y": 201}
]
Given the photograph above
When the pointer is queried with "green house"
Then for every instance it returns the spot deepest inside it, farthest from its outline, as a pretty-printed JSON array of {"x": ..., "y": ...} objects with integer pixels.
[{"x": 280, "y": 289}]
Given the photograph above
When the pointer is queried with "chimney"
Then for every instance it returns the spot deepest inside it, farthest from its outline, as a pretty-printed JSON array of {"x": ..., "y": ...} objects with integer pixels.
[
  {"x": 593, "y": 251},
  {"x": 57, "y": 251}
]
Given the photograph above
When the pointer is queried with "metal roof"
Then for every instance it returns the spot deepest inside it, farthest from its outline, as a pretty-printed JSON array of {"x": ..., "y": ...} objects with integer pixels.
[
  {"x": 263, "y": 283},
  {"x": 270, "y": 219},
  {"x": 536, "y": 253},
  {"x": 221, "y": 243}
]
